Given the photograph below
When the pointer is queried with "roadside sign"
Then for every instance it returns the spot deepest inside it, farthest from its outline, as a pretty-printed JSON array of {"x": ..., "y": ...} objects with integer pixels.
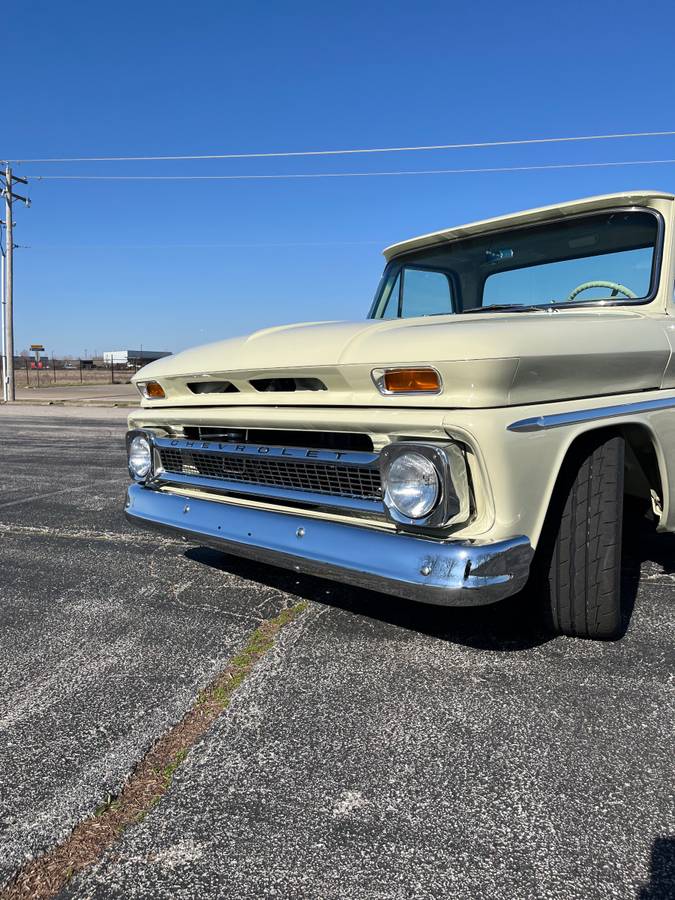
[{"x": 37, "y": 349}]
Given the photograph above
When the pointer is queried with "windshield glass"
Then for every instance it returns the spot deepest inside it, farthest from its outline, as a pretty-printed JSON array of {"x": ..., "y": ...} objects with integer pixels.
[{"x": 599, "y": 257}]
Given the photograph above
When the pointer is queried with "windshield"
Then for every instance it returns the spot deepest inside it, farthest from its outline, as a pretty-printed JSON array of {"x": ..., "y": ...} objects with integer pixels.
[{"x": 584, "y": 259}]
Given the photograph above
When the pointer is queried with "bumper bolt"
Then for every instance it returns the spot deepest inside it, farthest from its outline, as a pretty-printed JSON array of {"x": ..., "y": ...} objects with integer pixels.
[
  {"x": 300, "y": 532},
  {"x": 186, "y": 508},
  {"x": 425, "y": 570}
]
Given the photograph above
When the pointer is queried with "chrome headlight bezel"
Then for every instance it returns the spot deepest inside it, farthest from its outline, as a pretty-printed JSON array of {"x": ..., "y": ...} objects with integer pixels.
[
  {"x": 138, "y": 435},
  {"x": 453, "y": 501}
]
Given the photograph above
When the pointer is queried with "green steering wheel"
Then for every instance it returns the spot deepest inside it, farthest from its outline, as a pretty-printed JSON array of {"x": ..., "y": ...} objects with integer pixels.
[{"x": 612, "y": 285}]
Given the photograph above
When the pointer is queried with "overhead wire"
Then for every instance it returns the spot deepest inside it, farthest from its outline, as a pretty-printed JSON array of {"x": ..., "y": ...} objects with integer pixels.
[
  {"x": 382, "y": 174},
  {"x": 351, "y": 151}
]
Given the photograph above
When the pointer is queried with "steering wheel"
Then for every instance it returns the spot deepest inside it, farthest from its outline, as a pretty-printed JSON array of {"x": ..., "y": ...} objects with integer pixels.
[{"x": 614, "y": 287}]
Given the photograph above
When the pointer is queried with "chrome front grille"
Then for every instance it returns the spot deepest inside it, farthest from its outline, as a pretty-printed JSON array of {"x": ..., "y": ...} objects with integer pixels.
[{"x": 275, "y": 471}]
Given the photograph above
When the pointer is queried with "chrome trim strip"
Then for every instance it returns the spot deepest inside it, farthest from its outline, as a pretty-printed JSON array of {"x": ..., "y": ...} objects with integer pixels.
[
  {"x": 245, "y": 489},
  {"x": 558, "y": 420},
  {"x": 458, "y": 573}
]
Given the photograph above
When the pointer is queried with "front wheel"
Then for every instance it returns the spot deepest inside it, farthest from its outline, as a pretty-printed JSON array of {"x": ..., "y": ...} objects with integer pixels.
[{"x": 580, "y": 552}]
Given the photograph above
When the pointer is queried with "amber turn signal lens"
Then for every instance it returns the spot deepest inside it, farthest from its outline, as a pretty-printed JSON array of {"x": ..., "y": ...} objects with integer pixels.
[
  {"x": 152, "y": 390},
  {"x": 406, "y": 381}
]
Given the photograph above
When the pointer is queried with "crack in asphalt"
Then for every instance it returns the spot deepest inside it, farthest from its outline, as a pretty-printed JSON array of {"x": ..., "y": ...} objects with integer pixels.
[{"x": 45, "y": 876}]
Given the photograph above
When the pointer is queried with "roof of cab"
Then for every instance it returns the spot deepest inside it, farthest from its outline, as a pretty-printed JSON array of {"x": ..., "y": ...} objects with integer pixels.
[{"x": 540, "y": 214}]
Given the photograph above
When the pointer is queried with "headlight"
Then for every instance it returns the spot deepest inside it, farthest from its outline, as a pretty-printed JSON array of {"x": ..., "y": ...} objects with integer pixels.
[
  {"x": 425, "y": 483},
  {"x": 140, "y": 457},
  {"x": 412, "y": 485}
]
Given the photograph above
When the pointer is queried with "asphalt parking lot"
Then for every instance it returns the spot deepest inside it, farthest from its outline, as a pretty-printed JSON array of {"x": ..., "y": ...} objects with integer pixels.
[{"x": 381, "y": 750}]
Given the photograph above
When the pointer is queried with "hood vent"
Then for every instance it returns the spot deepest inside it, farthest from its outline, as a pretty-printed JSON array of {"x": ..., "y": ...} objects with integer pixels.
[
  {"x": 212, "y": 387},
  {"x": 287, "y": 385}
]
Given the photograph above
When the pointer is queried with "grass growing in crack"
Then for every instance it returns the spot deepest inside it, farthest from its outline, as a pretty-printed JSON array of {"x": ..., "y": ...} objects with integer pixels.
[
  {"x": 107, "y": 804},
  {"x": 171, "y": 768},
  {"x": 259, "y": 643},
  {"x": 45, "y": 877}
]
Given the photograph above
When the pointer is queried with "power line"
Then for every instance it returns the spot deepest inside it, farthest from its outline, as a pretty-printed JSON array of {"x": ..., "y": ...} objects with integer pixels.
[
  {"x": 468, "y": 146},
  {"x": 404, "y": 172}
]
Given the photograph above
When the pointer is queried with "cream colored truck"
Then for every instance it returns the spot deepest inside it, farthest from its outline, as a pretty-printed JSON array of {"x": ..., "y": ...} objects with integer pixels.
[{"x": 513, "y": 383}]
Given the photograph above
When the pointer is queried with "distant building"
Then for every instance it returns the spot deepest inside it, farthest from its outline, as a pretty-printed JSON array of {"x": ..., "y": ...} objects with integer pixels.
[{"x": 133, "y": 359}]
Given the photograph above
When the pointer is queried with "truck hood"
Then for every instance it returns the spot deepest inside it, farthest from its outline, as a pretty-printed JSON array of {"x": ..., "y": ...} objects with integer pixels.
[{"x": 486, "y": 359}]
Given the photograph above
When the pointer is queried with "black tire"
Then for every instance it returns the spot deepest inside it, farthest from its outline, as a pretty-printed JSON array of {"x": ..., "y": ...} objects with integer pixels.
[{"x": 580, "y": 560}]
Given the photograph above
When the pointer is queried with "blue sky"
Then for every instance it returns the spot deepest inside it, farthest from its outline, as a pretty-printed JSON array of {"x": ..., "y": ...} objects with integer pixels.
[{"x": 171, "y": 264}]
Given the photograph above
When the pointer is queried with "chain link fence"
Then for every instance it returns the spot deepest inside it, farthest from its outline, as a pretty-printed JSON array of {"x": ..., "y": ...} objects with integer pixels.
[{"x": 28, "y": 373}]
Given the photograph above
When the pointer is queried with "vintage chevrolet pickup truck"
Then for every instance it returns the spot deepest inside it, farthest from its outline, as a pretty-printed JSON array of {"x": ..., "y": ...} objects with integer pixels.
[{"x": 478, "y": 432}]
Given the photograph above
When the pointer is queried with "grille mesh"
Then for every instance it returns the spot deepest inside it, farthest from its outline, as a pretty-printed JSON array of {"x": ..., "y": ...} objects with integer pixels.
[{"x": 355, "y": 482}]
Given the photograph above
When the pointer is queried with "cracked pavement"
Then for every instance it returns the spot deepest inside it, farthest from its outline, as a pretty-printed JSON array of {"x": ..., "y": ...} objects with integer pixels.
[
  {"x": 106, "y": 634},
  {"x": 381, "y": 750}
]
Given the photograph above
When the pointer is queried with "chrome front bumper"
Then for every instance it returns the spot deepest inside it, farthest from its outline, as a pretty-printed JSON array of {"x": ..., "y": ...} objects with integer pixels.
[{"x": 455, "y": 573}]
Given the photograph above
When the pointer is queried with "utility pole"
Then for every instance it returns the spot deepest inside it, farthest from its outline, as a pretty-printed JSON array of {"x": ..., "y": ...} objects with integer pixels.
[
  {"x": 3, "y": 353},
  {"x": 9, "y": 290},
  {"x": 9, "y": 392}
]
